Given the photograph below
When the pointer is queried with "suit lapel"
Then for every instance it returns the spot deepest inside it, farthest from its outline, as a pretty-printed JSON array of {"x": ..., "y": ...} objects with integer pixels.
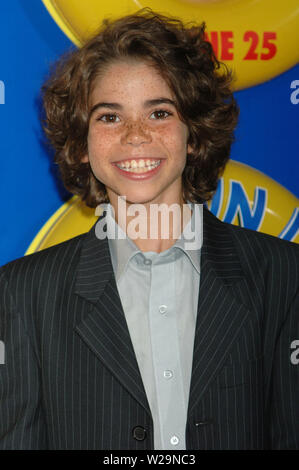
[
  {"x": 221, "y": 314},
  {"x": 104, "y": 329}
]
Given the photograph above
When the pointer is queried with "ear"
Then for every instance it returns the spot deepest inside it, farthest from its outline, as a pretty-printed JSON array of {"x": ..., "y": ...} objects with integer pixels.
[
  {"x": 85, "y": 158},
  {"x": 189, "y": 149}
]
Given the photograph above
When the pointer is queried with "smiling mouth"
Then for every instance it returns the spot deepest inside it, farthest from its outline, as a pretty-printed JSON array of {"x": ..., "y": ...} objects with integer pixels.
[{"x": 140, "y": 166}]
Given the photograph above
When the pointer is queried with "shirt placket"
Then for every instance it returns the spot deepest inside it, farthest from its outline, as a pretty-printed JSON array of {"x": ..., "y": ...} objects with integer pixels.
[{"x": 166, "y": 354}]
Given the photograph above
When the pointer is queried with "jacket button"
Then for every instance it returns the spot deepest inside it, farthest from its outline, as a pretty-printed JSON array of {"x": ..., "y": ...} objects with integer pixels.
[{"x": 139, "y": 433}]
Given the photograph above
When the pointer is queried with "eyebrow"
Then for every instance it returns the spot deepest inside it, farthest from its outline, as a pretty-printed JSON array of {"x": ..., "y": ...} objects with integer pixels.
[
  {"x": 117, "y": 106},
  {"x": 159, "y": 101}
]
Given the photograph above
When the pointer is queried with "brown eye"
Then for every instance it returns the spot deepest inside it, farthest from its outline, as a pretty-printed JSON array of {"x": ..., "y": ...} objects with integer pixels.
[
  {"x": 160, "y": 114},
  {"x": 109, "y": 118}
]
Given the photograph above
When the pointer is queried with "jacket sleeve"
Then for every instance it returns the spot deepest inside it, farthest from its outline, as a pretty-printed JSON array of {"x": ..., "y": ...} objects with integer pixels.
[
  {"x": 284, "y": 409},
  {"x": 22, "y": 424}
]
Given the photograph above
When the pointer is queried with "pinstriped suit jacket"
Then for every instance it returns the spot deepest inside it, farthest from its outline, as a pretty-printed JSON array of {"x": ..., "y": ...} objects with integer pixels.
[{"x": 71, "y": 379}]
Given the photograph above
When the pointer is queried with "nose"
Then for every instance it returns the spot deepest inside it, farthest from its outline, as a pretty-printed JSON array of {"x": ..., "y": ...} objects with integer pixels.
[{"x": 136, "y": 134}]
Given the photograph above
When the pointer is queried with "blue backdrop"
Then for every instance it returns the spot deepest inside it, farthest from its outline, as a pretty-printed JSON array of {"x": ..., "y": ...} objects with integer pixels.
[{"x": 267, "y": 136}]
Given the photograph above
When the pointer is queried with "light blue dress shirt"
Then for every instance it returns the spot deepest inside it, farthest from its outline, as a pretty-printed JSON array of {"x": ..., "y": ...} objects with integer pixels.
[{"x": 159, "y": 296}]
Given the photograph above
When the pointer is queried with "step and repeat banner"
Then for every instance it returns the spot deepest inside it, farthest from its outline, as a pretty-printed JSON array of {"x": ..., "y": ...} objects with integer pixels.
[{"x": 257, "y": 39}]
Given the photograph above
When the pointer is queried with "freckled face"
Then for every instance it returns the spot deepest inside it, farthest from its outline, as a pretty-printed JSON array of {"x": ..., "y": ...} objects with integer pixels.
[{"x": 134, "y": 116}]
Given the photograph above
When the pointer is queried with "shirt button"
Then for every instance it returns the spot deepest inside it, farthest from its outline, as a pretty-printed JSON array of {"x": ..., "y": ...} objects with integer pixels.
[
  {"x": 174, "y": 440},
  {"x": 168, "y": 374},
  {"x": 162, "y": 308},
  {"x": 147, "y": 261}
]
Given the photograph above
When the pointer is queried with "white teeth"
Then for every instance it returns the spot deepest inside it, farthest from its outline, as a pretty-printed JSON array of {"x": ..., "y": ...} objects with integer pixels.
[{"x": 141, "y": 164}]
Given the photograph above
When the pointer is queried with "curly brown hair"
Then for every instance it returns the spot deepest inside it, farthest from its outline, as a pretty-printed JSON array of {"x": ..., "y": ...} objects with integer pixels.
[{"x": 185, "y": 59}]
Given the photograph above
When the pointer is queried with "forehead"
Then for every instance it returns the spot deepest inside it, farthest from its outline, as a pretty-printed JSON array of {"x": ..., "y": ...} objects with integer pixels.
[{"x": 130, "y": 77}]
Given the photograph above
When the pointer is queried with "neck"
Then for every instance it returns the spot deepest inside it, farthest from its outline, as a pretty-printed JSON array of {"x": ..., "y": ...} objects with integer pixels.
[{"x": 152, "y": 227}]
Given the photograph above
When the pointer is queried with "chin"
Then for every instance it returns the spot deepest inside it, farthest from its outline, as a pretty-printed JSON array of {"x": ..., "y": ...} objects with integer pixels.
[
  {"x": 138, "y": 200},
  {"x": 139, "y": 197}
]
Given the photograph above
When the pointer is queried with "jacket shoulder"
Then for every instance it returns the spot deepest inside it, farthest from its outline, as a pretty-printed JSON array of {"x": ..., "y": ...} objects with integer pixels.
[
  {"x": 263, "y": 241},
  {"x": 262, "y": 253},
  {"x": 248, "y": 236},
  {"x": 49, "y": 261}
]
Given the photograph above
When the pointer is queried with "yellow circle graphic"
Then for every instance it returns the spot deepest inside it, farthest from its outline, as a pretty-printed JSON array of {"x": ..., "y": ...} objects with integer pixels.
[
  {"x": 258, "y": 39},
  {"x": 245, "y": 197}
]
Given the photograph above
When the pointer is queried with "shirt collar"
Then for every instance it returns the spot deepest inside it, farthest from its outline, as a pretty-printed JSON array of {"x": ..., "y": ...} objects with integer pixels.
[{"x": 123, "y": 248}]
